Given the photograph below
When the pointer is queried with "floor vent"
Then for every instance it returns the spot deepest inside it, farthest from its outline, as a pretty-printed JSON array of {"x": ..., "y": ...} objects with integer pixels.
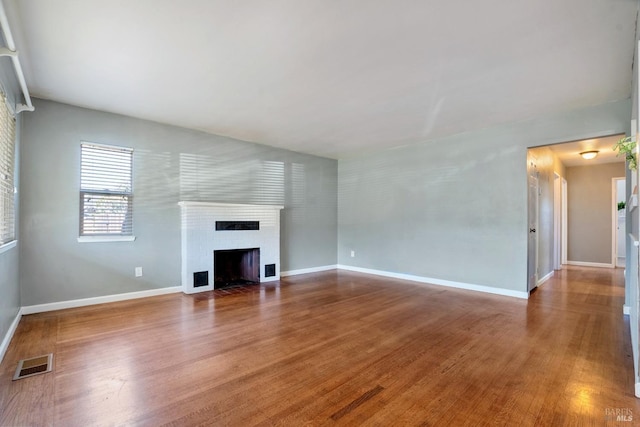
[{"x": 34, "y": 366}]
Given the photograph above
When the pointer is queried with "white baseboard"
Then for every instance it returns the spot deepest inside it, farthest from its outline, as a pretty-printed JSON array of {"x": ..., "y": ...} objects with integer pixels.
[
  {"x": 308, "y": 270},
  {"x": 7, "y": 338},
  {"x": 41, "y": 308},
  {"x": 545, "y": 278},
  {"x": 626, "y": 310},
  {"x": 637, "y": 389},
  {"x": 439, "y": 282},
  {"x": 590, "y": 264}
]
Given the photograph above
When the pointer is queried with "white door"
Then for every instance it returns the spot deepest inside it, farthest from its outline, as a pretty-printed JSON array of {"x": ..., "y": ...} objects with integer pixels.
[{"x": 533, "y": 226}]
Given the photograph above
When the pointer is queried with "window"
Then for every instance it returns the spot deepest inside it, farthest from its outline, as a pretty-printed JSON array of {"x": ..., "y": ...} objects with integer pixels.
[
  {"x": 106, "y": 195},
  {"x": 7, "y": 164}
]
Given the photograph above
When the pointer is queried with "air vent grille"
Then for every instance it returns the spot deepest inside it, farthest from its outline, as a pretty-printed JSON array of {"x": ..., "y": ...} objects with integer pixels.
[{"x": 34, "y": 366}]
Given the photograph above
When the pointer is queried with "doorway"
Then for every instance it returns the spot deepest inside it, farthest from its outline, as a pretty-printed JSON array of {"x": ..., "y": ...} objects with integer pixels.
[
  {"x": 618, "y": 226},
  {"x": 560, "y": 222}
]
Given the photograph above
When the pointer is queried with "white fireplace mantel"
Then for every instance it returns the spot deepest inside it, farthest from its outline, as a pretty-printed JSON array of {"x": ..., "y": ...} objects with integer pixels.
[
  {"x": 229, "y": 205},
  {"x": 200, "y": 238}
]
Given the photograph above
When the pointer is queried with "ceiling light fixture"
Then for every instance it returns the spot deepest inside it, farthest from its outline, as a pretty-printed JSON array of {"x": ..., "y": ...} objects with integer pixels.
[{"x": 588, "y": 155}]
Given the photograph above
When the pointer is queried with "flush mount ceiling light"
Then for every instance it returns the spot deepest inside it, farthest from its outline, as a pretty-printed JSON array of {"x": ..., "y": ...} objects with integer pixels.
[{"x": 588, "y": 155}]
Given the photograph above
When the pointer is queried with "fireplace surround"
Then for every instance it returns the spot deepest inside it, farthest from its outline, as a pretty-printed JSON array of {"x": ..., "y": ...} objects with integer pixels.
[{"x": 209, "y": 228}]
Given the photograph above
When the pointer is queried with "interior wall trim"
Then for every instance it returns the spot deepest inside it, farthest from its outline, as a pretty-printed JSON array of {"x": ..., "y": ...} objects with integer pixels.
[
  {"x": 591, "y": 264},
  {"x": 308, "y": 270},
  {"x": 440, "y": 282},
  {"x": 545, "y": 278},
  {"x": 7, "y": 338},
  {"x": 61, "y": 305}
]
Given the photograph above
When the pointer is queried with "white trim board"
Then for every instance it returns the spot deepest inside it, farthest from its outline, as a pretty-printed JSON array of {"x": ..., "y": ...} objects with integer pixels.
[
  {"x": 590, "y": 264},
  {"x": 308, "y": 270},
  {"x": 9, "y": 335},
  {"x": 626, "y": 310},
  {"x": 439, "y": 282},
  {"x": 4, "y": 248},
  {"x": 545, "y": 278},
  {"x": 41, "y": 308}
]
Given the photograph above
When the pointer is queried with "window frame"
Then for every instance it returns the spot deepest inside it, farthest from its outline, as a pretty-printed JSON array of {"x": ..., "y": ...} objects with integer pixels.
[
  {"x": 83, "y": 237},
  {"x": 8, "y": 211}
]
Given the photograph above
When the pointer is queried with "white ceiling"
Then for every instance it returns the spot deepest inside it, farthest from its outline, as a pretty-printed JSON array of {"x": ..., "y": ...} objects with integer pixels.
[
  {"x": 569, "y": 153},
  {"x": 327, "y": 77}
]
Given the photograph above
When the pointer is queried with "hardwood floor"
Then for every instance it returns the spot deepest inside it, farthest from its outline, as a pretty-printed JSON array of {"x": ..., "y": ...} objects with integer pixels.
[{"x": 333, "y": 348}]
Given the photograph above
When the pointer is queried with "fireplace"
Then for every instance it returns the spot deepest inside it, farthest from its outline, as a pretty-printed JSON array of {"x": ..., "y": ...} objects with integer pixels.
[
  {"x": 235, "y": 267},
  {"x": 247, "y": 237}
]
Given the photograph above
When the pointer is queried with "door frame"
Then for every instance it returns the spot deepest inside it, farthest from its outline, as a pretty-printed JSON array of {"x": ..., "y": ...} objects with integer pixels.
[
  {"x": 557, "y": 221},
  {"x": 565, "y": 221}
]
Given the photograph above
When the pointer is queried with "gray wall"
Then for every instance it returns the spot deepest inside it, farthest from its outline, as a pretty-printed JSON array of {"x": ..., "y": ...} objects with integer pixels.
[
  {"x": 454, "y": 208},
  {"x": 170, "y": 164},
  {"x": 589, "y": 210}
]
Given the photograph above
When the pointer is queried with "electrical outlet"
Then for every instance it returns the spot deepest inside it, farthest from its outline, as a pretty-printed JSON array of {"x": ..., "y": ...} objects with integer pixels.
[
  {"x": 138, "y": 271},
  {"x": 353, "y": 254}
]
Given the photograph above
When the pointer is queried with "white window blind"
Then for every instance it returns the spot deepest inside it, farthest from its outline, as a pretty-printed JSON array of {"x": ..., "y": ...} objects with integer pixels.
[
  {"x": 7, "y": 164},
  {"x": 106, "y": 196}
]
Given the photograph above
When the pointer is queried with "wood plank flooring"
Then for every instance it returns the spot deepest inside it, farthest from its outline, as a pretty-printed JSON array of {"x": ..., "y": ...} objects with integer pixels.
[{"x": 333, "y": 348}]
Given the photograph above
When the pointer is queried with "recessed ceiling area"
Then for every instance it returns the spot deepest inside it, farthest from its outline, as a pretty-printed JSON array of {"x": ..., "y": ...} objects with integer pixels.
[
  {"x": 333, "y": 79},
  {"x": 569, "y": 152}
]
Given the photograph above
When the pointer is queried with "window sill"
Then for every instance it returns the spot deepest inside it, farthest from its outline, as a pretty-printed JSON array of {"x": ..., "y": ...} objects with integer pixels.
[
  {"x": 7, "y": 246},
  {"x": 104, "y": 239}
]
